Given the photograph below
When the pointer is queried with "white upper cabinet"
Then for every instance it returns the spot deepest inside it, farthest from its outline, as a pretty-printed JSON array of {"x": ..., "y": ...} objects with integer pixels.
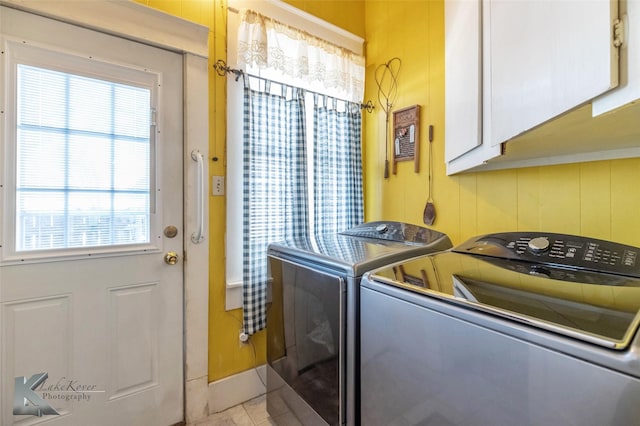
[
  {"x": 466, "y": 109},
  {"x": 533, "y": 82},
  {"x": 547, "y": 57},
  {"x": 463, "y": 85}
]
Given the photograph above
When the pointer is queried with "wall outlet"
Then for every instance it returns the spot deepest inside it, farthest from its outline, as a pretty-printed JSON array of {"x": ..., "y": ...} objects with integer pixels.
[{"x": 217, "y": 185}]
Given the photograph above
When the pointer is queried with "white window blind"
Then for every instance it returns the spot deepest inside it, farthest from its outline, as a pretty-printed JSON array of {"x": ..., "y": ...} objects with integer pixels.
[{"x": 83, "y": 161}]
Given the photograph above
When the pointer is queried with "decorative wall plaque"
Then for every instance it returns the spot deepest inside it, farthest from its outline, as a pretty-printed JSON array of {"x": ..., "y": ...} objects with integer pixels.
[{"x": 406, "y": 136}]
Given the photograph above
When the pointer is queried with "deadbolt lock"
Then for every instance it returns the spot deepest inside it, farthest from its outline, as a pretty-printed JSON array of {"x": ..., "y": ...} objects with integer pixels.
[
  {"x": 171, "y": 258},
  {"x": 170, "y": 231}
]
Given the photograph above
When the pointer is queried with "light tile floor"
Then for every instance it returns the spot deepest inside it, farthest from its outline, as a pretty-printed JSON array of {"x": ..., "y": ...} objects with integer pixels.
[{"x": 250, "y": 413}]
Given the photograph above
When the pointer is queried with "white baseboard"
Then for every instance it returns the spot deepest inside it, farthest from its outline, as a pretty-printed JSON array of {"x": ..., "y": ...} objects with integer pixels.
[{"x": 236, "y": 389}]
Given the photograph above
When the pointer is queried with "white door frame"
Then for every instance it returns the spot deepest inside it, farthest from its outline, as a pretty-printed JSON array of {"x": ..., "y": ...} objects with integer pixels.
[{"x": 122, "y": 18}]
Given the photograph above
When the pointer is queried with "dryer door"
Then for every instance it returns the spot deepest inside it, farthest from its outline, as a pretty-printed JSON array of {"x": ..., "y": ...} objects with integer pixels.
[{"x": 305, "y": 337}]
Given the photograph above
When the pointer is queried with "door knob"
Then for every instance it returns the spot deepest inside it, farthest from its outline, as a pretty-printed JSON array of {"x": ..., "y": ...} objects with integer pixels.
[{"x": 171, "y": 258}]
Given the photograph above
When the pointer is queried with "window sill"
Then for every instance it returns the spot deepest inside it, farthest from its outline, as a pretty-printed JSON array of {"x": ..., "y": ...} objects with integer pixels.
[{"x": 234, "y": 294}]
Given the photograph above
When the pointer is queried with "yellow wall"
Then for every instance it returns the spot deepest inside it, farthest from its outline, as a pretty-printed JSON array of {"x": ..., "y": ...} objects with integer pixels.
[
  {"x": 346, "y": 14},
  {"x": 598, "y": 199},
  {"x": 226, "y": 355}
]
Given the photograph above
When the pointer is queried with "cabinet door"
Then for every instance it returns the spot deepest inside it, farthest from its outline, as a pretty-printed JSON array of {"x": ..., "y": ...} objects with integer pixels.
[
  {"x": 628, "y": 89},
  {"x": 547, "y": 57},
  {"x": 463, "y": 82},
  {"x": 467, "y": 111}
]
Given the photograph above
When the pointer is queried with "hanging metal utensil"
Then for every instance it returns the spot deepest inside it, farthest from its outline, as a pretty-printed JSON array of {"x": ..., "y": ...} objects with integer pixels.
[
  {"x": 387, "y": 82},
  {"x": 429, "y": 214}
]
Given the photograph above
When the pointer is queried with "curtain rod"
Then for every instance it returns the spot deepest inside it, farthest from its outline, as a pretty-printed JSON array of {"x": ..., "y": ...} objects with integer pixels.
[{"x": 222, "y": 69}]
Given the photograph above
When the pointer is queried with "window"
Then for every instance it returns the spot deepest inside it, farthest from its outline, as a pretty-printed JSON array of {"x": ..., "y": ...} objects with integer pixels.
[
  {"x": 80, "y": 155},
  {"x": 82, "y": 173},
  {"x": 234, "y": 236}
]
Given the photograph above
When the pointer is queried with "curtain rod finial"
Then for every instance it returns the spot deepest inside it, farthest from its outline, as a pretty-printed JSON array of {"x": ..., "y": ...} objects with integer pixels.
[
  {"x": 223, "y": 69},
  {"x": 368, "y": 106}
]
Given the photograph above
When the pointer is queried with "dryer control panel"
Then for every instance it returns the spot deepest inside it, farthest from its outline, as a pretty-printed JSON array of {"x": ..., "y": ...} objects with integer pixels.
[{"x": 557, "y": 249}]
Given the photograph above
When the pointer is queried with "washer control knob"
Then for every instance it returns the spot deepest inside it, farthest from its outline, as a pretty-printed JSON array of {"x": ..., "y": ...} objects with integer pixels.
[
  {"x": 382, "y": 228},
  {"x": 538, "y": 245}
]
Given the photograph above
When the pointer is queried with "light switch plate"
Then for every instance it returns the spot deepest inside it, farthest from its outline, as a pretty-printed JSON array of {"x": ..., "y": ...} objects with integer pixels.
[{"x": 217, "y": 185}]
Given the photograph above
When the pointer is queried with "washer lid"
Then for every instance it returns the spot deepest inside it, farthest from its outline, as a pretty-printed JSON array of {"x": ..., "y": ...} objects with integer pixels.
[
  {"x": 353, "y": 254},
  {"x": 400, "y": 232},
  {"x": 362, "y": 248},
  {"x": 596, "y": 307}
]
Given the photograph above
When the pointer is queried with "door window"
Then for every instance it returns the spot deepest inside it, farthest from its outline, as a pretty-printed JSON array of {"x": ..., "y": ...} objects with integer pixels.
[{"x": 81, "y": 158}]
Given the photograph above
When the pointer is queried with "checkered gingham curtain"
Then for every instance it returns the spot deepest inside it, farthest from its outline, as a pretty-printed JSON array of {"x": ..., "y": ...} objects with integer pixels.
[
  {"x": 338, "y": 200},
  {"x": 275, "y": 187}
]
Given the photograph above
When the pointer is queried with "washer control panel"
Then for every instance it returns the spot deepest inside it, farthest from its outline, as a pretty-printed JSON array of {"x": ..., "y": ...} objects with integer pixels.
[
  {"x": 395, "y": 231},
  {"x": 557, "y": 249}
]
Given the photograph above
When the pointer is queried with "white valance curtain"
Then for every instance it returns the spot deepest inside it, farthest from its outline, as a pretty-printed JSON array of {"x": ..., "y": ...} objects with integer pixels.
[{"x": 268, "y": 44}]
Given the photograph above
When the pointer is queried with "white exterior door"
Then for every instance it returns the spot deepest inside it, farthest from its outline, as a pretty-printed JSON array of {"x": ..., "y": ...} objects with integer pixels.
[{"x": 92, "y": 182}]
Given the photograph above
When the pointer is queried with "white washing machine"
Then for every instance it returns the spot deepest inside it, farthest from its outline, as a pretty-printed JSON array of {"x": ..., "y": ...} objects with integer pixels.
[{"x": 505, "y": 329}]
